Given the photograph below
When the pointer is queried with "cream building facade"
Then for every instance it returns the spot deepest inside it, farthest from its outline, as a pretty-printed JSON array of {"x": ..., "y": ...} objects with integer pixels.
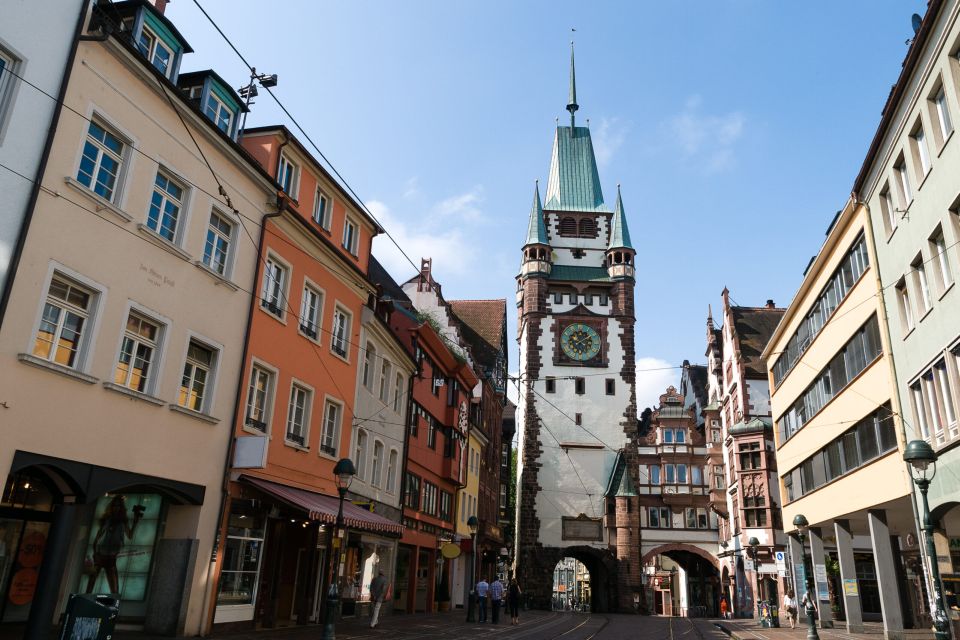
[
  {"x": 122, "y": 344},
  {"x": 839, "y": 438}
]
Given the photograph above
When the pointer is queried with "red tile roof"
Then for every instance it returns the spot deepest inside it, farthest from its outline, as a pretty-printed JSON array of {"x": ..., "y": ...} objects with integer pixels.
[{"x": 485, "y": 317}]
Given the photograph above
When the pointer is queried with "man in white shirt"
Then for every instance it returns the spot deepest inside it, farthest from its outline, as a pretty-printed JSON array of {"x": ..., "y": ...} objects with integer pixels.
[{"x": 482, "y": 589}]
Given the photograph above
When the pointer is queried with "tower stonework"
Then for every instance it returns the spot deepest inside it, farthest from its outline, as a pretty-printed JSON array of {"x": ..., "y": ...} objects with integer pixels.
[{"x": 577, "y": 467}]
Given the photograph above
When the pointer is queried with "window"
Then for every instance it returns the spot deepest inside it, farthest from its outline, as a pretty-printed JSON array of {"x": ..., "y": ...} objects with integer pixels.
[
  {"x": 922, "y": 286},
  {"x": 385, "y": 371},
  {"x": 754, "y": 511},
  {"x": 216, "y": 249},
  {"x": 691, "y": 517},
  {"x": 888, "y": 209},
  {"x": 579, "y": 385},
  {"x": 670, "y": 473},
  {"x": 288, "y": 175},
  {"x": 681, "y": 474},
  {"x": 350, "y": 236},
  {"x": 7, "y": 63},
  {"x": 411, "y": 491},
  {"x": 921, "y": 153},
  {"x": 360, "y": 453},
  {"x": 920, "y": 409},
  {"x": 603, "y": 299},
  {"x": 369, "y": 362},
  {"x": 101, "y": 162},
  {"x": 551, "y": 385},
  {"x": 750, "y": 456},
  {"x": 330, "y": 439},
  {"x": 573, "y": 297},
  {"x": 940, "y": 114},
  {"x": 258, "y": 398},
  {"x": 680, "y": 436},
  {"x": 715, "y": 436},
  {"x": 557, "y": 298},
  {"x": 719, "y": 482},
  {"x": 398, "y": 393},
  {"x": 906, "y": 310},
  {"x": 340, "y": 333},
  {"x": 321, "y": 209},
  {"x": 196, "y": 372},
  {"x": 310, "y": 306},
  {"x": 392, "y": 471},
  {"x": 903, "y": 182},
  {"x": 666, "y": 436},
  {"x": 165, "y": 205},
  {"x": 654, "y": 474},
  {"x": 241, "y": 558},
  {"x": 137, "y": 352},
  {"x": 155, "y": 51},
  {"x": 696, "y": 475},
  {"x": 659, "y": 517},
  {"x": 218, "y": 112},
  {"x": 431, "y": 432},
  {"x": 446, "y": 506},
  {"x": 274, "y": 285},
  {"x": 588, "y": 299},
  {"x": 298, "y": 415},
  {"x": 429, "y": 504},
  {"x": 376, "y": 467},
  {"x": 938, "y": 249},
  {"x": 611, "y": 387},
  {"x": 65, "y": 314}
]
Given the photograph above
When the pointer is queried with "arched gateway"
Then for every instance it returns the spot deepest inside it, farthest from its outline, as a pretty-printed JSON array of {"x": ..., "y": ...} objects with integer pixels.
[{"x": 577, "y": 387}]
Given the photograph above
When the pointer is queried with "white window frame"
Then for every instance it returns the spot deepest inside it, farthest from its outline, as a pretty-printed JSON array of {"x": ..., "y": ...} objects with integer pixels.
[
  {"x": 209, "y": 387},
  {"x": 888, "y": 208},
  {"x": 907, "y": 319},
  {"x": 921, "y": 151},
  {"x": 219, "y": 107},
  {"x": 940, "y": 113},
  {"x": 269, "y": 396},
  {"x": 376, "y": 463},
  {"x": 386, "y": 372},
  {"x": 328, "y": 402},
  {"x": 317, "y": 319},
  {"x": 156, "y": 363},
  {"x": 393, "y": 464},
  {"x": 277, "y": 307},
  {"x": 165, "y": 197},
  {"x": 123, "y": 159},
  {"x": 97, "y": 293},
  {"x": 306, "y": 392},
  {"x": 922, "y": 285},
  {"x": 285, "y": 164},
  {"x": 398, "y": 393},
  {"x": 351, "y": 241},
  {"x": 903, "y": 182},
  {"x": 218, "y": 234},
  {"x": 325, "y": 219},
  {"x": 335, "y": 336},
  {"x": 8, "y": 88},
  {"x": 361, "y": 442},
  {"x": 155, "y": 43},
  {"x": 938, "y": 247},
  {"x": 367, "y": 375}
]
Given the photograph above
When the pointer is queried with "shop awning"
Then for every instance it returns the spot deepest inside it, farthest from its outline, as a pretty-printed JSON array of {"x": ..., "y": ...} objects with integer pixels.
[{"x": 324, "y": 508}]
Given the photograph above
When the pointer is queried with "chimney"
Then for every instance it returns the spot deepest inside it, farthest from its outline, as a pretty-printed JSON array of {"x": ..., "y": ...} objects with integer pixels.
[
  {"x": 426, "y": 278},
  {"x": 161, "y": 5},
  {"x": 770, "y": 305}
]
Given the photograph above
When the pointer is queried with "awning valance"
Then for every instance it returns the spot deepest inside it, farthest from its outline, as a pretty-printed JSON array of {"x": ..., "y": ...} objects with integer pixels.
[{"x": 324, "y": 508}]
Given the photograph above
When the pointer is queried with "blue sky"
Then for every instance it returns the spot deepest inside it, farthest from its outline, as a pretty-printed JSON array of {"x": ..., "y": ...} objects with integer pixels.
[{"x": 736, "y": 129}]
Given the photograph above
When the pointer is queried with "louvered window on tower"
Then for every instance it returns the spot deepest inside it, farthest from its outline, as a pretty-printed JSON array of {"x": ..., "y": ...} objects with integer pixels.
[{"x": 568, "y": 227}]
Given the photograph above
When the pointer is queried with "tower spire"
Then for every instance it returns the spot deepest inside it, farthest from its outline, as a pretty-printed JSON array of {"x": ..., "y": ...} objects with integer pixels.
[{"x": 572, "y": 105}]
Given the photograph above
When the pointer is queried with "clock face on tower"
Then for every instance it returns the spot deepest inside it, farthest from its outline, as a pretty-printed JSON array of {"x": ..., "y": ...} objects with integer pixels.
[{"x": 580, "y": 342}]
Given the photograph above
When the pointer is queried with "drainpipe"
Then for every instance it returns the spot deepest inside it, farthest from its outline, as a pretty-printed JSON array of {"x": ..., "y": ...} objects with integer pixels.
[
  {"x": 42, "y": 166},
  {"x": 895, "y": 400},
  {"x": 206, "y": 620}
]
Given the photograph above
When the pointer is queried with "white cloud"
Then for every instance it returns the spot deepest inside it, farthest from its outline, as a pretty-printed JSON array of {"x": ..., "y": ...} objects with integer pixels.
[
  {"x": 607, "y": 139},
  {"x": 411, "y": 187},
  {"x": 653, "y": 377},
  {"x": 452, "y": 253},
  {"x": 707, "y": 138},
  {"x": 463, "y": 206}
]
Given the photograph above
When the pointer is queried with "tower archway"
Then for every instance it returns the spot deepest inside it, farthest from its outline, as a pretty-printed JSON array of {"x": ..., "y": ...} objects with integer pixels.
[{"x": 685, "y": 581}]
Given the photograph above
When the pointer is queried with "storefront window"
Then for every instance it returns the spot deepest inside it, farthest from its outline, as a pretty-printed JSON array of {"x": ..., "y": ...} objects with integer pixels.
[
  {"x": 376, "y": 556},
  {"x": 120, "y": 548},
  {"x": 241, "y": 559}
]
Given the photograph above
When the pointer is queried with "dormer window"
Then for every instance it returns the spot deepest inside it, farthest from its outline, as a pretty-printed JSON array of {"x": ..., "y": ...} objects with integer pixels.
[
  {"x": 219, "y": 112},
  {"x": 155, "y": 50}
]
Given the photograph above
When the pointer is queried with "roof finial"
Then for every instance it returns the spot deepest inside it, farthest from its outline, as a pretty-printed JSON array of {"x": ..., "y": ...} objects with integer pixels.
[{"x": 572, "y": 105}]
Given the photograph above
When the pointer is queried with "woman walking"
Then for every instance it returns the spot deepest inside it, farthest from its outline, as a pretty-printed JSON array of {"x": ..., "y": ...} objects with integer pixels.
[
  {"x": 513, "y": 601},
  {"x": 790, "y": 604}
]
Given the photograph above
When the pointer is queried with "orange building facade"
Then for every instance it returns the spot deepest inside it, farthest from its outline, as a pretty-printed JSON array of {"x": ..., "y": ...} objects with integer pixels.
[{"x": 294, "y": 412}]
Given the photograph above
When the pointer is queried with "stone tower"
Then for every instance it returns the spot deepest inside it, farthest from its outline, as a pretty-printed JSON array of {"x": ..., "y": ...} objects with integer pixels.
[{"x": 577, "y": 409}]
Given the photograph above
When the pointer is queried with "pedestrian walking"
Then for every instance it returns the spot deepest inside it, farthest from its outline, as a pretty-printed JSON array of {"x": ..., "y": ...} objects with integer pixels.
[
  {"x": 723, "y": 607},
  {"x": 513, "y": 601},
  {"x": 809, "y": 604},
  {"x": 483, "y": 587},
  {"x": 378, "y": 591},
  {"x": 496, "y": 596},
  {"x": 790, "y": 604}
]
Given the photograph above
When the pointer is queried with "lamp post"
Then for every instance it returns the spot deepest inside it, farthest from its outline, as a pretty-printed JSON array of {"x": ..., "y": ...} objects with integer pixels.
[
  {"x": 800, "y": 522},
  {"x": 922, "y": 458},
  {"x": 343, "y": 472},
  {"x": 754, "y": 551},
  {"x": 474, "y": 524}
]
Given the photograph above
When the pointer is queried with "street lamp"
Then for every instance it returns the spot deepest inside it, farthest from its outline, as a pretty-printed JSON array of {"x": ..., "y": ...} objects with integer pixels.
[
  {"x": 754, "y": 551},
  {"x": 474, "y": 524},
  {"x": 344, "y": 472},
  {"x": 800, "y": 522},
  {"x": 922, "y": 458}
]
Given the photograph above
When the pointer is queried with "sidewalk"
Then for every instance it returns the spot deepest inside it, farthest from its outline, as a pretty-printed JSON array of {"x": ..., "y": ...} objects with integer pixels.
[{"x": 751, "y": 630}]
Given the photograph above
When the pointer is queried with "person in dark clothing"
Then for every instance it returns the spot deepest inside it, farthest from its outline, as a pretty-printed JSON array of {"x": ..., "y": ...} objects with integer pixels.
[{"x": 513, "y": 601}]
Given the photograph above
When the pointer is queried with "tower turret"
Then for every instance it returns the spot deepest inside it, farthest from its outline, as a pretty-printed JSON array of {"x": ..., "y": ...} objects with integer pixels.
[
  {"x": 536, "y": 248},
  {"x": 620, "y": 251}
]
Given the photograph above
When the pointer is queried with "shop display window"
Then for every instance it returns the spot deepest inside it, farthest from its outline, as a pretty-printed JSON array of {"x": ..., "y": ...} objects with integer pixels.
[{"x": 242, "y": 554}]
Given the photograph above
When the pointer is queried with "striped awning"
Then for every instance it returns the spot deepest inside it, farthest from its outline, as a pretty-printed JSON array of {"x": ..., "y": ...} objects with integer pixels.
[{"x": 324, "y": 508}]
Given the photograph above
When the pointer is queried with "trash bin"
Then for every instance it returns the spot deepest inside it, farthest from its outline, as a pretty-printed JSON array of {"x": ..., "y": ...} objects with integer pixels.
[{"x": 90, "y": 617}]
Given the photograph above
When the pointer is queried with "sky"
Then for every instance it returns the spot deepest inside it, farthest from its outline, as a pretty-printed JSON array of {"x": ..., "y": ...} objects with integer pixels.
[{"x": 735, "y": 127}]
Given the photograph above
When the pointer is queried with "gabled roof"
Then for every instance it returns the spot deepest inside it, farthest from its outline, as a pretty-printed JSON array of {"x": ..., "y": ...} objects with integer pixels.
[
  {"x": 482, "y": 322},
  {"x": 619, "y": 233},
  {"x": 574, "y": 182},
  {"x": 697, "y": 375},
  {"x": 536, "y": 229},
  {"x": 754, "y": 326}
]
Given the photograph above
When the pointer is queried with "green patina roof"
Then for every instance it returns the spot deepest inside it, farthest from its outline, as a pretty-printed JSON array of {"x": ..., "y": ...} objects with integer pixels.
[
  {"x": 571, "y": 272},
  {"x": 572, "y": 105},
  {"x": 574, "y": 182},
  {"x": 756, "y": 425},
  {"x": 619, "y": 232},
  {"x": 536, "y": 230}
]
